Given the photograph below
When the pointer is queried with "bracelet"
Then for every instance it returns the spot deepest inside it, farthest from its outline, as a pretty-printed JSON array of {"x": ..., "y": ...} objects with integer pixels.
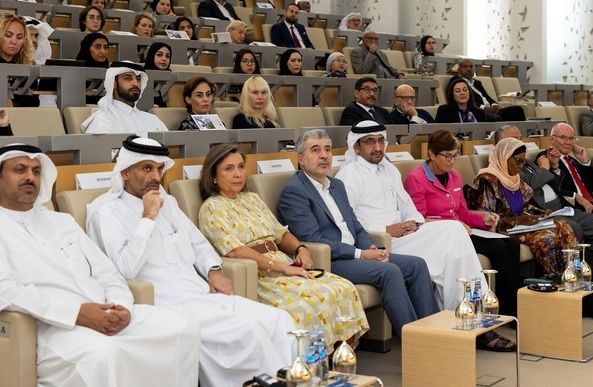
[
  {"x": 270, "y": 265},
  {"x": 299, "y": 247}
]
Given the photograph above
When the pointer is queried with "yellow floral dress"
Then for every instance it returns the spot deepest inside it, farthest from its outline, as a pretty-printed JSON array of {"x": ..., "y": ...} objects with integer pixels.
[{"x": 246, "y": 220}]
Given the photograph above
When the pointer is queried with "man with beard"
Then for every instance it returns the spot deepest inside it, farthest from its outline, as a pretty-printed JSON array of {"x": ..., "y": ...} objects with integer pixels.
[
  {"x": 289, "y": 33},
  {"x": 366, "y": 93},
  {"x": 117, "y": 113}
]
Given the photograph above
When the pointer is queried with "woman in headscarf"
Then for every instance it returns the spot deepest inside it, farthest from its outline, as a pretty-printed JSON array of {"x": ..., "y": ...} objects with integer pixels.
[
  {"x": 184, "y": 23},
  {"x": 421, "y": 60},
  {"x": 499, "y": 188},
  {"x": 460, "y": 105},
  {"x": 291, "y": 62},
  {"x": 351, "y": 22},
  {"x": 335, "y": 66},
  {"x": 93, "y": 51},
  {"x": 158, "y": 57}
]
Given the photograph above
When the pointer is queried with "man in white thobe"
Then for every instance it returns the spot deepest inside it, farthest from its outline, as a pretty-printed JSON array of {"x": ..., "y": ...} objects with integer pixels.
[
  {"x": 117, "y": 112},
  {"x": 88, "y": 331},
  {"x": 148, "y": 237},
  {"x": 380, "y": 202}
]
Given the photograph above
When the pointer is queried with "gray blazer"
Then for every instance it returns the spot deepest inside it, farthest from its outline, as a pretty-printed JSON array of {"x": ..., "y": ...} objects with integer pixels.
[{"x": 365, "y": 62}]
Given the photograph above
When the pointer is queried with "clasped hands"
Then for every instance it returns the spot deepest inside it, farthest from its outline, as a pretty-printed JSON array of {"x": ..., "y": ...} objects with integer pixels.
[
  {"x": 108, "y": 319},
  {"x": 398, "y": 230}
]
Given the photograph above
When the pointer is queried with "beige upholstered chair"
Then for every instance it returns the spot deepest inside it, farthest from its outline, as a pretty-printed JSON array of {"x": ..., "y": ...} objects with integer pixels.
[
  {"x": 397, "y": 60},
  {"x": 556, "y": 113},
  {"x": 299, "y": 117},
  {"x": 441, "y": 91},
  {"x": 187, "y": 68},
  {"x": 226, "y": 115},
  {"x": 171, "y": 117},
  {"x": 573, "y": 113},
  {"x": 430, "y": 109},
  {"x": 268, "y": 187},
  {"x": 317, "y": 37},
  {"x": 35, "y": 121},
  {"x": 75, "y": 116},
  {"x": 332, "y": 115},
  {"x": 267, "y": 31}
]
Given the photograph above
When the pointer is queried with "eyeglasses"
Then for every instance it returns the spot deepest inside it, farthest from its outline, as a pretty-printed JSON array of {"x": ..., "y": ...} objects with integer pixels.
[
  {"x": 341, "y": 61},
  {"x": 407, "y": 98},
  {"x": 449, "y": 156},
  {"x": 566, "y": 138},
  {"x": 94, "y": 17},
  {"x": 356, "y": 20},
  {"x": 369, "y": 90},
  {"x": 520, "y": 162},
  {"x": 373, "y": 141},
  {"x": 372, "y": 39},
  {"x": 248, "y": 61}
]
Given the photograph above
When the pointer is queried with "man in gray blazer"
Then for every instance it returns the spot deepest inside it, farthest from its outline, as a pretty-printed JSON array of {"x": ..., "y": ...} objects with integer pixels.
[
  {"x": 586, "y": 118},
  {"x": 368, "y": 59},
  {"x": 315, "y": 207}
]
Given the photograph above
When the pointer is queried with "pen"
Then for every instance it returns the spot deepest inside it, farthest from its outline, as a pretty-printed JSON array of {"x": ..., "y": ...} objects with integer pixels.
[{"x": 491, "y": 213}]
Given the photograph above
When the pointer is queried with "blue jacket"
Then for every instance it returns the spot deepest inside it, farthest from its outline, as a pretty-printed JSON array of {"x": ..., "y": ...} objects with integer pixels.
[{"x": 282, "y": 37}]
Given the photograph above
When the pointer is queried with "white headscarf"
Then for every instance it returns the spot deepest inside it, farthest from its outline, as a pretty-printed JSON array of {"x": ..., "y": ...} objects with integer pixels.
[
  {"x": 353, "y": 137},
  {"x": 125, "y": 159},
  {"x": 105, "y": 103},
  {"x": 49, "y": 172},
  {"x": 43, "y": 50},
  {"x": 344, "y": 22}
]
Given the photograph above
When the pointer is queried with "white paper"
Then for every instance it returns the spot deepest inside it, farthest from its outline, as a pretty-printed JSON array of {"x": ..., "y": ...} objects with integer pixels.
[
  {"x": 192, "y": 171},
  {"x": 172, "y": 34},
  {"x": 541, "y": 225},
  {"x": 270, "y": 166},
  {"x": 93, "y": 180},
  {"x": 338, "y": 161},
  {"x": 531, "y": 145},
  {"x": 566, "y": 211},
  {"x": 399, "y": 156},
  {"x": 483, "y": 149},
  {"x": 221, "y": 37},
  {"x": 487, "y": 234},
  {"x": 208, "y": 122}
]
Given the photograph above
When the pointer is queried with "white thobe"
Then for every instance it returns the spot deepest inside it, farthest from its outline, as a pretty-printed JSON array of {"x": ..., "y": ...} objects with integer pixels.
[
  {"x": 379, "y": 199},
  {"x": 240, "y": 338},
  {"x": 118, "y": 117},
  {"x": 48, "y": 268}
]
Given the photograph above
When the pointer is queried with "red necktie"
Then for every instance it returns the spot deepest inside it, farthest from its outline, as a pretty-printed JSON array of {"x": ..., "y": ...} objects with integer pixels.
[
  {"x": 577, "y": 180},
  {"x": 297, "y": 44}
]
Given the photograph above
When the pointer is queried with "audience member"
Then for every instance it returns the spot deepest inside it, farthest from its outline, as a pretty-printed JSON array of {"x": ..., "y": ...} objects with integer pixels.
[
  {"x": 91, "y": 19},
  {"x": 351, "y": 22},
  {"x": 481, "y": 99},
  {"x": 404, "y": 108},
  {"x": 162, "y": 7},
  {"x": 198, "y": 94},
  {"x": 143, "y": 25},
  {"x": 39, "y": 33},
  {"x": 368, "y": 59},
  {"x": 245, "y": 63},
  {"x": 238, "y": 31},
  {"x": 158, "y": 57},
  {"x": 147, "y": 236},
  {"x": 117, "y": 113},
  {"x": 304, "y": 5},
  {"x": 217, "y": 9},
  {"x": 96, "y": 3},
  {"x": 336, "y": 65},
  {"x": 459, "y": 107},
  {"x": 288, "y": 32},
  {"x": 183, "y": 23},
  {"x": 291, "y": 62},
  {"x": 240, "y": 225},
  {"x": 89, "y": 333},
  {"x": 422, "y": 60},
  {"x": 366, "y": 92},
  {"x": 586, "y": 118},
  {"x": 576, "y": 171},
  {"x": 315, "y": 208},
  {"x": 5, "y": 129},
  {"x": 369, "y": 177},
  {"x": 256, "y": 109},
  {"x": 94, "y": 48},
  {"x": 547, "y": 186},
  {"x": 499, "y": 188},
  {"x": 436, "y": 190}
]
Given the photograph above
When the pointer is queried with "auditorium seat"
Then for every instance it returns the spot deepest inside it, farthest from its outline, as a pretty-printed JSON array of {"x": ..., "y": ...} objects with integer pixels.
[
  {"x": 300, "y": 117},
  {"x": 187, "y": 68},
  {"x": 35, "y": 121},
  {"x": 556, "y": 113},
  {"x": 572, "y": 114},
  {"x": 317, "y": 38},
  {"x": 267, "y": 31},
  {"x": 74, "y": 116},
  {"x": 226, "y": 115},
  {"x": 396, "y": 59},
  {"x": 332, "y": 115},
  {"x": 171, "y": 117}
]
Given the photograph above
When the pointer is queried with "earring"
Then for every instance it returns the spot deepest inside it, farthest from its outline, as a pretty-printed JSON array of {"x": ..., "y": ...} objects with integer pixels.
[{"x": 214, "y": 181}]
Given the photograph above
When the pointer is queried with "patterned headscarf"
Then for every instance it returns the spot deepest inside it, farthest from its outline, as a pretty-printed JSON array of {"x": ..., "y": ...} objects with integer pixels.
[{"x": 498, "y": 162}]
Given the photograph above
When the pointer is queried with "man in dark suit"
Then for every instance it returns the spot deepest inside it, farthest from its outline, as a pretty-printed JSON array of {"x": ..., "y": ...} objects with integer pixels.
[
  {"x": 218, "y": 9},
  {"x": 404, "y": 108},
  {"x": 547, "y": 186},
  {"x": 316, "y": 209},
  {"x": 366, "y": 93},
  {"x": 289, "y": 33},
  {"x": 481, "y": 98},
  {"x": 577, "y": 172},
  {"x": 586, "y": 118}
]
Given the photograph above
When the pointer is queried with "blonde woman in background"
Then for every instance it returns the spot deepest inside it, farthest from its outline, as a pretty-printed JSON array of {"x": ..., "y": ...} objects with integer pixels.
[{"x": 256, "y": 109}]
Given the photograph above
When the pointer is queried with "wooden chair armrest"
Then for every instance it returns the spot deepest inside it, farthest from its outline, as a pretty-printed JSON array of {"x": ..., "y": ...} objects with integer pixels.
[{"x": 243, "y": 274}]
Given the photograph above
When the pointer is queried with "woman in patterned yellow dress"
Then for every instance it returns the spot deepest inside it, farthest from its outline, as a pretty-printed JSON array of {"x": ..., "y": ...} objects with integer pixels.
[{"x": 240, "y": 225}]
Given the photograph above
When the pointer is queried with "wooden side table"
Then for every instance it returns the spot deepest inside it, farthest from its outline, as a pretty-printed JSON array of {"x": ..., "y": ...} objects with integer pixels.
[
  {"x": 552, "y": 324},
  {"x": 431, "y": 346}
]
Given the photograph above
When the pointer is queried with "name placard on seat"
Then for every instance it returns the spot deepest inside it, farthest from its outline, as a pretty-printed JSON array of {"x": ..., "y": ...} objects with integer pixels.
[
  {"x": 269, "y": 166},
  {"x": 483, "y": 149},
  {"x": 338, "y": 161},
  {"x": 531, "y": 146},
  {"x": 192, "y": 171},
  {"x": 93, "y": 180},
  {"x": 399, "y": 156}
]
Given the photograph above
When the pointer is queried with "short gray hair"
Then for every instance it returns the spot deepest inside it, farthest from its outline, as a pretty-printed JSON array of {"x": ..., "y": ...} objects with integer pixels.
[
  {"x": 500, "y": 132},
  {"x": 316, "y": 134}
]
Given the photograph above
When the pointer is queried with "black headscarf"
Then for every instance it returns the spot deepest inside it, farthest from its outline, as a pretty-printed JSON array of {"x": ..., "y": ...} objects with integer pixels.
[
  {"x": 423, "y": 45},
  {"x": 149, "y": 64},
  {"x": 284, "y": 70},
  {"x": 85, "y": 50}
]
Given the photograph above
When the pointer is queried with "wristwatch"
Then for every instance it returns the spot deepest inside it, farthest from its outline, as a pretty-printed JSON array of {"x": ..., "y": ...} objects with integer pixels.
[{"x": 215, "y": 268}]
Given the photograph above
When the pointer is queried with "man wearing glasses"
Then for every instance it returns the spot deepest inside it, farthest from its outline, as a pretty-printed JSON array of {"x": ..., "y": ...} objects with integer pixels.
[
  {"x": 366, "y": 94},
  {"x": 404, "y": 108},
  {"x": 577, "y": 182},
  {"x": 368, "y": 59}
]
